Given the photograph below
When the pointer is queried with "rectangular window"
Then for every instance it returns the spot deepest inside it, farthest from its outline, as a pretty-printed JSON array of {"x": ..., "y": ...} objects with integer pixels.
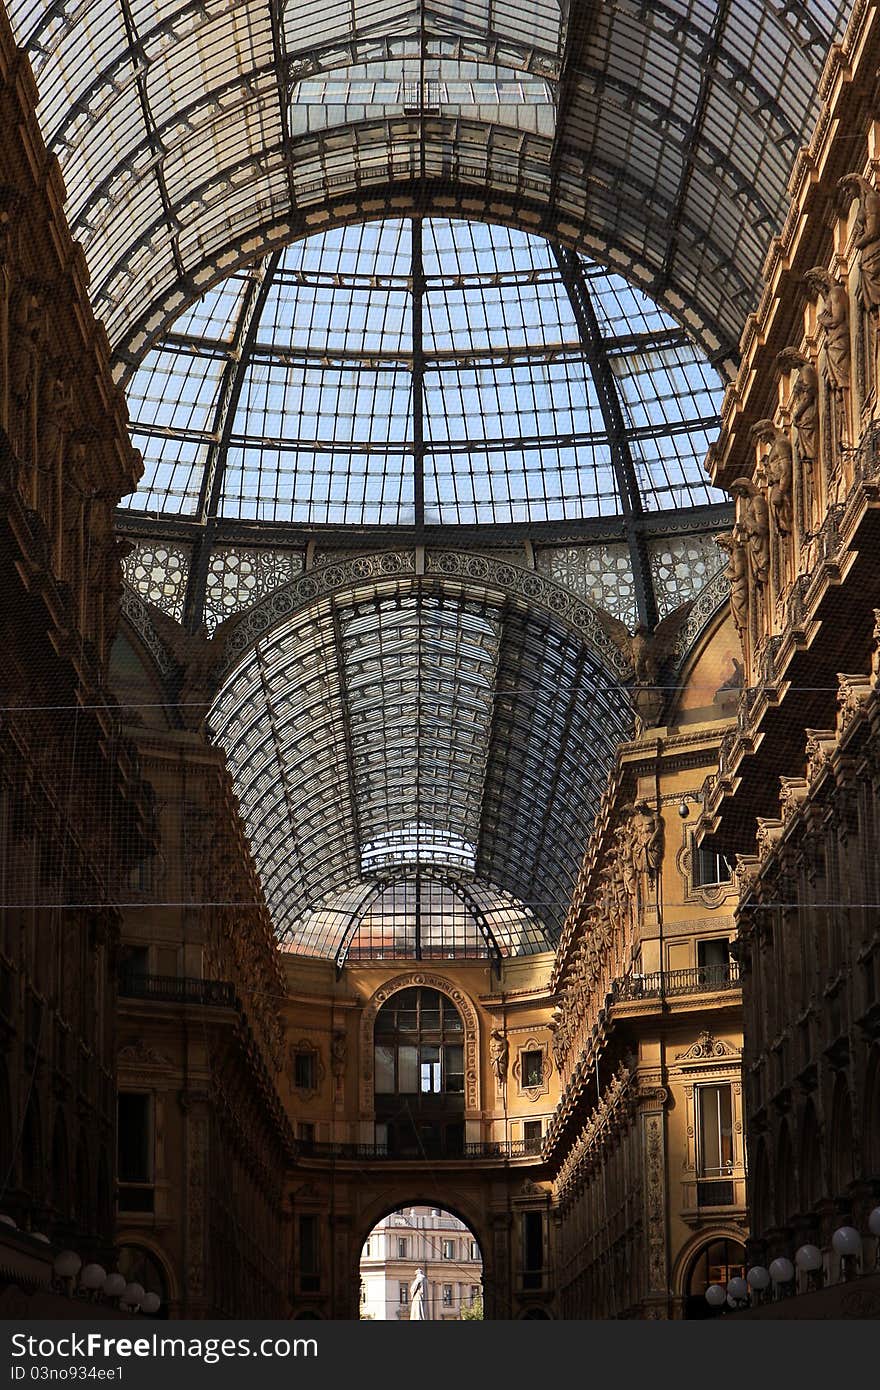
[
  {"x": 715, "y": 1131},
  {"x": 532, "y": 1069},
  {"x": 475, "y": 1290},
  {"x": 403, "y": 1293},
  {"x": 449, "y": 1249},
  {"x": 306, "y": 1132},
  {"x": 453, "y": 1063},
  {"x": 447, "y": 1295},
  {"x": 532, "y": 1136},
  {"x": 713, "y": 961},
  {"x": 475, "y": 1250},
  {"x": 366, "y": 1250},
  {"x": 304, "y": 1071},
  {"x": 429, "y": 1070},
  {"x": 402, "y": 1248},
  {"x": 533, "y": 1249},
  {"x": 708, "y": 866},
  {"x": 309, "y": 1254},
  {"x": 134, "y": 1138}
]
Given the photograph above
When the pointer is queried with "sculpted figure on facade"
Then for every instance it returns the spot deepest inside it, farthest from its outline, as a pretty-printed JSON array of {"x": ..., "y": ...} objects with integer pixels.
[
  {"x": 338, "y": 1049},
  {"x": 805, "y": 413},
  {"x": 198, "y": 656},
  {"x": 56, "y": 405},
  {"x": 737, "y": 574},
  {"x": 648, "y": 839},
  {"x": 833, "y": 318},
  {"x": 499, "y": 1052},
  {"x": 867, "y": 237},
  {"x": 25, "y": 341},
  {"x": 753, "y": 526},
  {"x": 779, "y": 468},
  {"x": 647, "y": 652}
]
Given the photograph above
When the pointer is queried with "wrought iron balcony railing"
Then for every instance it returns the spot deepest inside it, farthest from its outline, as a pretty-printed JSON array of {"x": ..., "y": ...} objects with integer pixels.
[
  {"x": 178, "y": 989},
  {"x": 703, "y": 979},
  {"x": 503, "y": 1149}
]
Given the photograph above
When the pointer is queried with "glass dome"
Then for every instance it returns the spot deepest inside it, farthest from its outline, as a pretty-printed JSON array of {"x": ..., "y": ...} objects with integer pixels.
[{"x": 423, "y": 372}]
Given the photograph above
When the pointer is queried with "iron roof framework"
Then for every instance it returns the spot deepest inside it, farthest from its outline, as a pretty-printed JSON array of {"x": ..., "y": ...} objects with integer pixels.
[
  {"x": 412, "y": 375},
  {"x": 657, "y": 135},
  {"x": 415, "y": 728}
]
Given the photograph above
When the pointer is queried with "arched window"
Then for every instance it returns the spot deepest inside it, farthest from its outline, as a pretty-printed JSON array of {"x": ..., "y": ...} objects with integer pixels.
[
  {"x": 85, "y": 1209},
  {"x": 419, "y": 1074},
  {"x": 60, "y": 1170},
  {"x": 842, "y": 1169},
  {"x": 785, "y": 1188},
  {"x": 762, "y": 1214},
  {"x": 140, "y": 1267},
  {"x": 6, "y": 1145},
  {"x": 872, "y": 1119},
  {"x": 812, "y": 1185},
  {"x": 716, "y": 1263},
  {"x": 33, "y": 1177}
]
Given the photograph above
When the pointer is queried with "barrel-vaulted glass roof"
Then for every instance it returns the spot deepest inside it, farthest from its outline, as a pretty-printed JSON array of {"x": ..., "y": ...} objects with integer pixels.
[
  {"x": 418, "y": 739},
  {"x": 419, "y": 728},
  {"x": 428, "y": 372},
  {"x": 194, "y": 135}
]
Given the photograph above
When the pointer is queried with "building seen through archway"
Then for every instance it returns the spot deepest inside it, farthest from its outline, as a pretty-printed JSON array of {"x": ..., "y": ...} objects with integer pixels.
[
  {"x": 437, "y": 499},
  {"x": 429, "y": 1240}
]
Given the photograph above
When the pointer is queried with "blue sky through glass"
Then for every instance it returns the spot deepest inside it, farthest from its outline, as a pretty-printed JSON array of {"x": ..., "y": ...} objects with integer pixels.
[{"x": 319, "y": 428}]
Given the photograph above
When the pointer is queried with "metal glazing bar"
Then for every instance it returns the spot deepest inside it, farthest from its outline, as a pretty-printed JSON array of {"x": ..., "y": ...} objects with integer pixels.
[{"x": 621, "y": 456}]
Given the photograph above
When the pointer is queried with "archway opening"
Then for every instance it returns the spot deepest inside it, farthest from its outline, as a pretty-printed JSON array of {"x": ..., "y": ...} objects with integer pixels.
[
  {"x": 718, "y": 1262},
  {"x": 421, "y": 1263}
]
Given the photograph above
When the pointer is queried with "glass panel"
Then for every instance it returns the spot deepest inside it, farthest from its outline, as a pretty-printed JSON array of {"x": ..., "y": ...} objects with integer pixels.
[
  {"x": 384, "y": 1070},
  {"x": 319, "y": 428},
  {"x": 408, "y": 1070}
]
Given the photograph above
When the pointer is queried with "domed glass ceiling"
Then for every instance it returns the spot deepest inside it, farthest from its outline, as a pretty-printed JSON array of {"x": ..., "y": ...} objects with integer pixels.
[{"x": 423, "y": 372}]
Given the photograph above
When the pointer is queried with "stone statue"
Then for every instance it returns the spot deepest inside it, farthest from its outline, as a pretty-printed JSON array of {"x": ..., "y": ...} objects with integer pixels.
[
  {"x": 418, "y": 1302},
  {"x": 56, "y": 404},
  {"x": 804, "y": 405},
  {"x": 647, "y": 838},
  {"x": 780, "y": 471},
  {"x": 25, "y": 333},
  {"x": 197, "y": 656},
  {"x": 737, "y": 573},
  {"x": 647, "y": 651},
  {"x": 833, "y": 316},
  {"x": 337, "y": 1054},
  {"x": 628, "y": 875},
  {"x": 753, "y": 526},
  {"x": 867, "y": 237},
  {"x": 499, "y": 1052}
]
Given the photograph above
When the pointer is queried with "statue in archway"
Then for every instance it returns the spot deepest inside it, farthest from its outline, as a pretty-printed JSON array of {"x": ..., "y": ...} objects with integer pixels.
[{"x": 418, "y": 1297}]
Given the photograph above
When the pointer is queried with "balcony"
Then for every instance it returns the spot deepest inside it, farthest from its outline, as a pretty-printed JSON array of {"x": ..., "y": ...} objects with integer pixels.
[
  {"x": 500, "y": 1149},
  {"x": 669, "y": 984},
  {"x": 178, "y": 989}
]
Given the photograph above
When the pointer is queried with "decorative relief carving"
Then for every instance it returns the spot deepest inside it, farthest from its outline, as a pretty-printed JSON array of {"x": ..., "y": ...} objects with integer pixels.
[
  {"x": 197, "y": 1158},
  {"x": 655, "y": 1203},
  {"x": 853, "y": 692},
  {"x": 509, "y": 578},
  {"x": 818, "y": 748},
  {"x": 533, "y": 1093},
  {"x": 139, "y": 1054},
  {"x": 709, "y": 1048}
]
